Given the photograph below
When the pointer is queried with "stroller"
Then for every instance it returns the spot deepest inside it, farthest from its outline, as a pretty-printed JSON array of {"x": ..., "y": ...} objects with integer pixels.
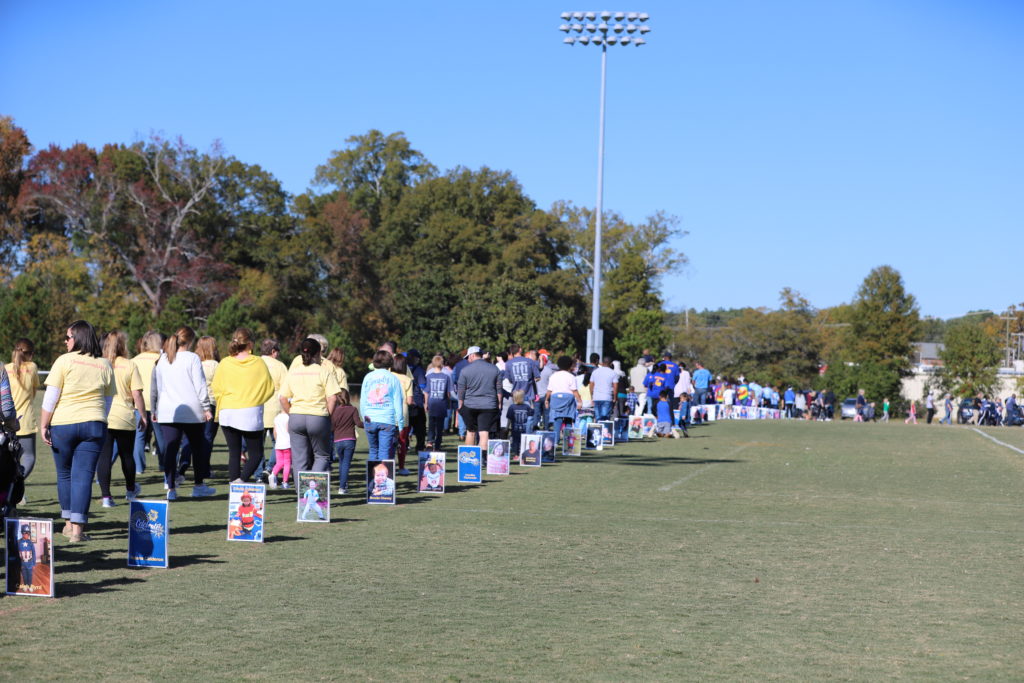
[
  {"x": 12, "y": 477},
  {"x": 1014, "y": 417}
]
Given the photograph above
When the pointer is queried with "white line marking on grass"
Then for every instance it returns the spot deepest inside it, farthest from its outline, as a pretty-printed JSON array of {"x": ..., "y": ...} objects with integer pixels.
[
  {"x": 992, "y": 438},
  {"x": 702, "y": 470}
]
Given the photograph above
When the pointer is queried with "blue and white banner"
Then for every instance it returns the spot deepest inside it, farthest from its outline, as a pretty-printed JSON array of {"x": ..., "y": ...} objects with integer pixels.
[
  {"x": 147, "y": 533},
  {"x": 469, "y": 465}
]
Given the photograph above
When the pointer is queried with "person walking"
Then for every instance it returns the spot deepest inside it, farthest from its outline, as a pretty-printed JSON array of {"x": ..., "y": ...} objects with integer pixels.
[
  {"x": 181, "y": 407},
  {"x": 23, "y": 376},
  {"x": 308, "y": 395},
  {"x": 151, "y": 345},
  {"x": 127, "y": 414},
  {"x": 380, "y": 404},
  {"x": 241, "y": 386},
  {"x": 73, "y": 422},
  {"x": 479, "y": 389}
]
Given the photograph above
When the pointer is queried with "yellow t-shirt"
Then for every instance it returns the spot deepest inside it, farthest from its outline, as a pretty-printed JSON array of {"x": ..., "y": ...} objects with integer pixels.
[
  {"x": 308, "y": 387},
  {"x": 84, "y": 382},
  {"x": 272, "y": 408},
  {"x": 209, "y": 369},
  {"x": 406, "y": 383},
  {"x": 145, "y": 362},
  {"x": 122, "y": 409},
  {"x": 24, "y": 395},
  {"x": 342, "y": 376}
]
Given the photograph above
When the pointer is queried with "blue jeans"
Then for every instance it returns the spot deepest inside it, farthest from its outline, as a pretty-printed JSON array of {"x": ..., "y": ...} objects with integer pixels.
[
  {"x": 140, "y": 443},
  {"x": 602, "y": 410},
  {"x": 76, "y": 450},
  {"x": 380, "y": 436},
  {"x": 344, "y": 450}
]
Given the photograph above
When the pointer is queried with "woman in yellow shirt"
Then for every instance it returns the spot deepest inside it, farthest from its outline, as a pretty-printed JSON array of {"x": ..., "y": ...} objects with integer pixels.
[
  {"x": 79, "y": 390},
  {"x": 24, "y": 378},
  {"x": 151, "y": 344},
  {"x": 308, "y": 395},
  {"x": 121, "y": 421},
  {"x": 240, "y": 387}
]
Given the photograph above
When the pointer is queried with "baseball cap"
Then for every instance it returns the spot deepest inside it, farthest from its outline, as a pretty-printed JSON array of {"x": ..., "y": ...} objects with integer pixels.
[{"x": 471, "y": 350}]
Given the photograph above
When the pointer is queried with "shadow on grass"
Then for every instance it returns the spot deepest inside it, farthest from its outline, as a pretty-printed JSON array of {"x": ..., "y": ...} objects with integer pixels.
[
  {"x": 73, "y": 589},
  {"x": 105, "y": 560}
]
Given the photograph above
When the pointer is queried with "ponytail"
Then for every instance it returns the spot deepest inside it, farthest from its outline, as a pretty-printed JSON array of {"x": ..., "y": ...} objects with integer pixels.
[
  {"x": 182, "y": 339},
  {"x": 309, "y": 349},
  {"x": 23, "y": 350}
]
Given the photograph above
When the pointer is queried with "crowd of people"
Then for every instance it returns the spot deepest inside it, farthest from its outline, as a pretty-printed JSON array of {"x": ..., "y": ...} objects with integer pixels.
[{"x": 175, "y": 394}]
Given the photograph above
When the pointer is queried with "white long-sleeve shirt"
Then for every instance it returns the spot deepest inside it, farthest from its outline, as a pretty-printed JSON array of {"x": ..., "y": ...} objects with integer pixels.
[{"x": 179, "y": 389}]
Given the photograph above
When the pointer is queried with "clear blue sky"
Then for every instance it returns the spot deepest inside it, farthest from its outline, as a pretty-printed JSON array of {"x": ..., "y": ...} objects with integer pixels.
[{"x": 801, "y": 143}]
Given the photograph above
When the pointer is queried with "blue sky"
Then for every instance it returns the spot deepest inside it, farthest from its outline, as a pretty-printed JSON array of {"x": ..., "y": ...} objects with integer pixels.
[{"x": 801, "y": 143}]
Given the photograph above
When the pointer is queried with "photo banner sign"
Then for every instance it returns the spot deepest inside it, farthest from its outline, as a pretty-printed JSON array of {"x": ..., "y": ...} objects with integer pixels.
[
  {"x": 548, "y": 442},
  {"x": 314, "y": 492},
  {"x": 572, "y": 442},
  {"x": 431, "y": 472},
  {"x": 380, "y": 482},
  {"x": 498, "y": 457},
  {"x": 470, "y": 461},
  {"x": 148, "y": 529},
  {"x": 607, "y": 433},
  {"x": 595, "y": 437},
  {"x": 530, "y": 454},
  {"x": 245, "y": 512},
  {"x": 648, "y": 425},
  {"x": 636, "y": 428},
  {"x": 29, "y": 557}
]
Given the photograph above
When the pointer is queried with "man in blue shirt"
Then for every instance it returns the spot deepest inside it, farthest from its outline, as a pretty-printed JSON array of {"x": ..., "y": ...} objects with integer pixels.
[
  {"x": 701, "y": 382},
  {"x": 522, "y": 373}
]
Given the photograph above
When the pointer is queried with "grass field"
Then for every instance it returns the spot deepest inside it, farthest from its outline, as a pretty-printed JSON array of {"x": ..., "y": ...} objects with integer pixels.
[{"x": 750, "y": 551}]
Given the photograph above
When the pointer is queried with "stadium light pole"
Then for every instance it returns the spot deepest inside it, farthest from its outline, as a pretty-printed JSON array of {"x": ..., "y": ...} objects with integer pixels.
[{"x": 602, "y": 34}]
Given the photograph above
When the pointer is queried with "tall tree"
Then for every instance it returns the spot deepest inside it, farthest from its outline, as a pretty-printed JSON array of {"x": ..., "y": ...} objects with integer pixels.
[
  {"x": 970, "y": 360},
  {"x": 135, "y": 206},
  {"x": 14, "y": 149},
  {"x": 373, "y": 171}
]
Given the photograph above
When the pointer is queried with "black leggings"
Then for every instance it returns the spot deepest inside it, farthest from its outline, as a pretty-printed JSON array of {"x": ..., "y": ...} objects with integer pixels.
[
  {"x": 200, "y": 449},
  {"x": 125, "y": 439},
  {"x": 253, "y": 449}
]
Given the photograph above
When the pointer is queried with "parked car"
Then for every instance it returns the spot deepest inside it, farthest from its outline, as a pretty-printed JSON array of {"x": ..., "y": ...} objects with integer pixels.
[
  {"x": 849, "y": 409},
  {"x": 966, "y": 411}
]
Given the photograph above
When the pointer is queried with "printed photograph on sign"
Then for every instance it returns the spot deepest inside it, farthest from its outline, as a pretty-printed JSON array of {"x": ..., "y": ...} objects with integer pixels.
[
  {"x": 572, "y": 442},
  {"x": 548, "y": 443},
  {"x": 649, "y": 423},
  {"x": 148, "y": 533},
  {"x": 636, "y": 428},
  {"x": 245, "y": 512},
  {"x": 314, "y": 493},
  {"x": 607, "y": 433},
  {"x": 470, "y": 470},
  {"x": 29, "y": 557},
  {"x": 595, "y": 437},
  {"x": 431, "y": 472},
  {"x": 530, "y": 456},
  {"x": 380, "y": 482},
  {"x": 498, "y": 457}
]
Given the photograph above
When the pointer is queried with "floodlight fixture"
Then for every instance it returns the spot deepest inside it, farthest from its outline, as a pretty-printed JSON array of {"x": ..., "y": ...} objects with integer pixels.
[
  {"x": 565, "y": 16},
  {"x": 643, "y": 16},
  {"x": 590, "y": 16},
  {"x": 578, "y": 16},
  {"x": 606, "y": 15},
  {"x": 583, "y": 40},
  {"x": 569, "y": 40},
  {"x": 564, "y": 28},
  {"x": 619, "y": 16}
]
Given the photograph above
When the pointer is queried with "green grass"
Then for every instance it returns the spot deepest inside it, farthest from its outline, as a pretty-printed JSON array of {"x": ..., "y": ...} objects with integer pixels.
[{"x": 751, "y": 551}]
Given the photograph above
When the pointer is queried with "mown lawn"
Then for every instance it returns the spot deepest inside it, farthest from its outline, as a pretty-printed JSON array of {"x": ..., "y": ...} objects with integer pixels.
[{"x": 750, "y": 551}]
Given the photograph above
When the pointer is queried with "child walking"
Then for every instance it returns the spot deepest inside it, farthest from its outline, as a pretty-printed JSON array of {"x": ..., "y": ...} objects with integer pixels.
[
  {"x": 343, "y": 421},
  {"x": 437, "y": 393},
  {"x": 664, "y": 412},
  {"x": 518, "y": 416},
  {"x": 282, "y": 451}
]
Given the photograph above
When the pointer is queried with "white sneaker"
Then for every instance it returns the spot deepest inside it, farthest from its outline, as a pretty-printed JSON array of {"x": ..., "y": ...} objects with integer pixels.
[
  {"x": 272, "y": 481},
  {"x": 202, "y": 491},
  {"x": 404, "y": 472},
  {"x": 108, "y": 502},
  {"x": 134, "y": 493},
  {"x": 172, "y": 494},
  {"x": 285, "y": 486},
  {"x": 342, "y": 492},
  {"x": 237, "y": 481}
]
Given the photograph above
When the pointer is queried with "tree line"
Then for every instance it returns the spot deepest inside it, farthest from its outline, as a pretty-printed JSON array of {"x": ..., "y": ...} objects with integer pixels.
[{"x": 157, "y": 233}]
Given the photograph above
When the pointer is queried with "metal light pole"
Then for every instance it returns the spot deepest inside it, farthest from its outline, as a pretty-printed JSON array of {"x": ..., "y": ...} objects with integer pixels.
[{"x": 598, "y": 34}]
